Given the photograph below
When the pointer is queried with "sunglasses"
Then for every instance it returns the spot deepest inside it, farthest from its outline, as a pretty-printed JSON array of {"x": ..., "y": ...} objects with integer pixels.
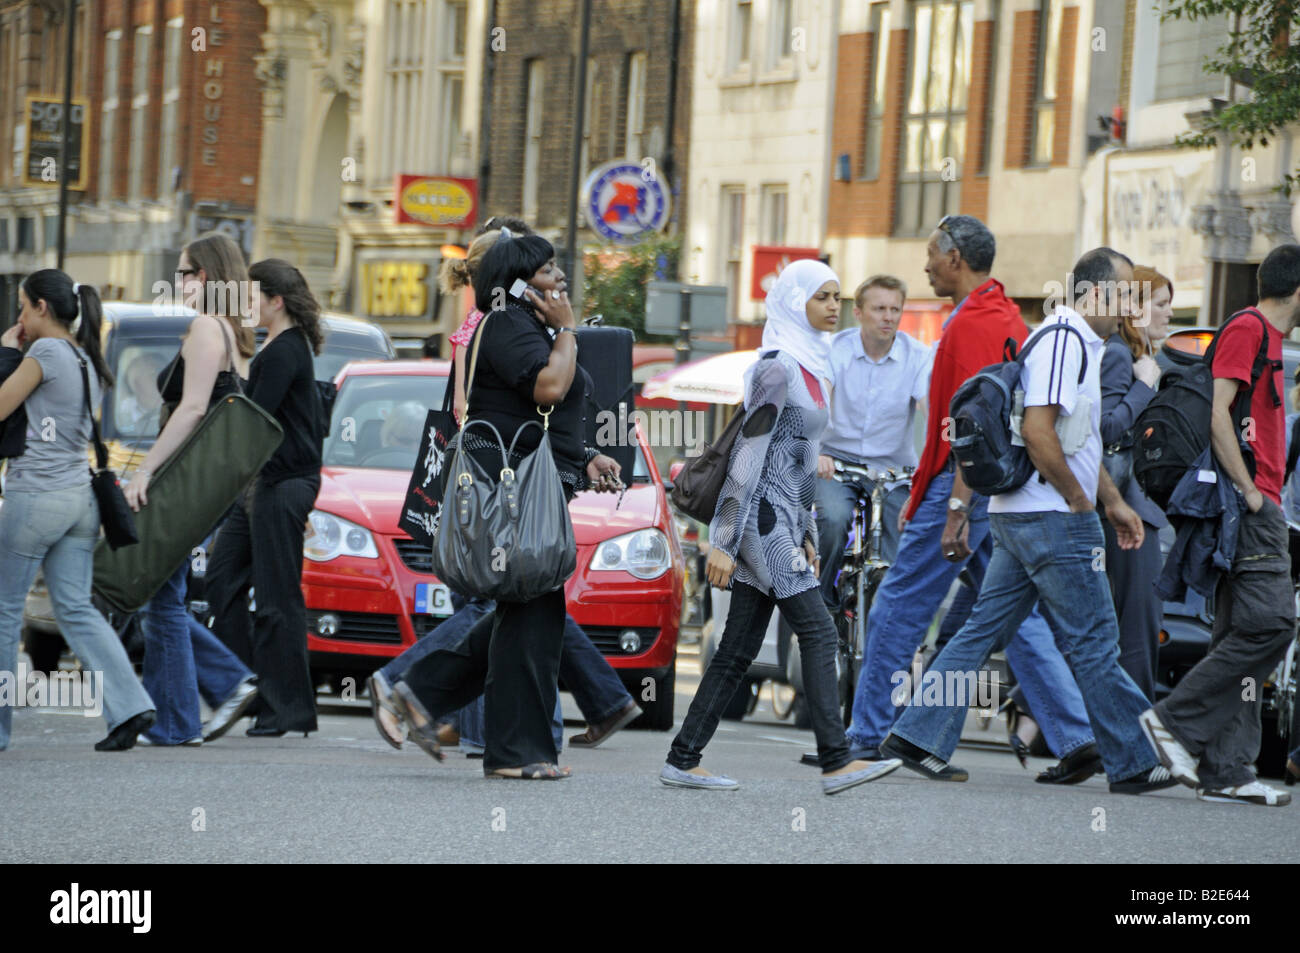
[
  {"x": 186, "y": 272},
  {"x": 943, "y": 224}
]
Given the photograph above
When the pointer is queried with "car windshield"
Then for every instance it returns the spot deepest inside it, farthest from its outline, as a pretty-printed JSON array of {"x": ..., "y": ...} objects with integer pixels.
[
  {"x": 134, "y": 401},
  {"x": 379, "y": 419}
]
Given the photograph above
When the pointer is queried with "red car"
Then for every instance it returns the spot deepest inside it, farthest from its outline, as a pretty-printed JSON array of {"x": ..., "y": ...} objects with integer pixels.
[{"x": 369, "y": 590}]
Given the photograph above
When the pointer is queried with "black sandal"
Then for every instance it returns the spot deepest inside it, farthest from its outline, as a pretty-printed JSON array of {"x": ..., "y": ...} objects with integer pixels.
[
  {"x": 412, "y": 712},
  {"x": 538, "y": 771}
]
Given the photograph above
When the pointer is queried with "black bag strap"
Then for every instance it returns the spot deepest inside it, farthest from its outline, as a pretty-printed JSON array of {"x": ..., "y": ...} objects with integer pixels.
[
  {"x": 1060, "y": 325},
  {"x": 101, "y": 451}
]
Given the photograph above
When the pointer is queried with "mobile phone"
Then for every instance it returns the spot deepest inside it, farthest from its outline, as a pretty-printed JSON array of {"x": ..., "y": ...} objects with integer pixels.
[{"x": 518, "y": 288}]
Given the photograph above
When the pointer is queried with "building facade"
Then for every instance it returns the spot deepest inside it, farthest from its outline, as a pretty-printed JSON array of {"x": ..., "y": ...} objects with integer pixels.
[
  {"x": 358, "y": 93},
  {"x": 634, "y": 108},
  {"x": 760, "y": 146}
]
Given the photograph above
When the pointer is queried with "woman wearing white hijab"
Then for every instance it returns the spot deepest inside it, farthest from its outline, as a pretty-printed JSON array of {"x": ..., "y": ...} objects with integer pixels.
[{"x": 763, "y": 532}]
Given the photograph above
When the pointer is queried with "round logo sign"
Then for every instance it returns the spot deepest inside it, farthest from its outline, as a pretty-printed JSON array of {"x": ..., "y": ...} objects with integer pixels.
[
  {"x": 436, "y": 201},
  {"x": 624, "y": 199}
]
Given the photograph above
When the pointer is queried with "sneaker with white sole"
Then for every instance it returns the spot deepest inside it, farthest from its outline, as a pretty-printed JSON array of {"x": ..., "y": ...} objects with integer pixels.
[
  {"x": 836, "y": 783},
  {"x": 677, "y": 778},
  {"x": 1168, "y": 749},
  {"x": 1254, "y": 793},
  {"x": 1153, "y": 779}
]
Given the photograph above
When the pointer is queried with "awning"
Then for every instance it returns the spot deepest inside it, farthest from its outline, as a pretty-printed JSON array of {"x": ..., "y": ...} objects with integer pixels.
[{"x": 719, "y": 379}]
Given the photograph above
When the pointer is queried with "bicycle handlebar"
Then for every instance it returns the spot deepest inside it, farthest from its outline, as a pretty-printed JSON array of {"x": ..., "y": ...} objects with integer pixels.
[{"x": 852, "y": 472}]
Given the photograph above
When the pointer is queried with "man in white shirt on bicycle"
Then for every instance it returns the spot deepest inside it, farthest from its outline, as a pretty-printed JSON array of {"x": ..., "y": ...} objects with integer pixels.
[{"x": 880, "y": 375}]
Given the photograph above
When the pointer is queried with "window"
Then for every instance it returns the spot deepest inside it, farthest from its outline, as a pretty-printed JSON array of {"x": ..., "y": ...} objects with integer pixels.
[
  {"x": 879, "y": 76},
  {"x": 1049, "y": 47},
  {"x": 170, "y": 103},
  {"x": 1183, "y": 48},
  {"x": 771, "y": 227},
  {"x": 635, "y": 140},
  {"x": 51, "y": 228},
  {"x": 108, "y": 112},
  {"x": 26, "y": 234},
  {"x": 404, "y": 131},
  {"x": 533, "y": 137},
  {"x": 780, "y": 47},
  {"x": 742, "y": 21},
  {"x": 8, "y": 112},
  {"x": 4, "y": 234},
  {"x": 733, "y": 243},
  {"x": 139, "y": 109},
  {"x": 934, "y": 125},
  {"x": 451, "y": 76}
]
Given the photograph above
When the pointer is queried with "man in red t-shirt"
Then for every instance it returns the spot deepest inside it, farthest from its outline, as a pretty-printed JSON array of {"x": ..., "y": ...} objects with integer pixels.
[
  {"x": 1207, "y": 731},
  {"x": 946, "y": 523}
]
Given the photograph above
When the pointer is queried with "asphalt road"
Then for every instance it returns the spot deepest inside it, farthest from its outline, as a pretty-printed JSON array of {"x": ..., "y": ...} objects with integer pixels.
[{"x": 343, "y": 796}]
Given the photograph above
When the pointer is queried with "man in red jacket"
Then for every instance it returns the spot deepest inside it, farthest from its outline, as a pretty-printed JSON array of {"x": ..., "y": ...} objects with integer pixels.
[{"x": 946, "y": 523}]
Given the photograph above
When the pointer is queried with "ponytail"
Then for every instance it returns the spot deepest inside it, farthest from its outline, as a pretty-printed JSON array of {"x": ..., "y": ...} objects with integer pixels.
[
  {"x": 77, "y": 308},
  {"x": 88, "y": 335}
]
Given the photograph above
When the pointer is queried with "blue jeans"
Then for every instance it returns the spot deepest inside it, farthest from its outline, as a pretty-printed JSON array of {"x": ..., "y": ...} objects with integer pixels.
[
  {"x": 835, "y": 514},
  {"x": 57, "y": 530},
  {"x": 905, "y": 605},
  {"x": 1049, "y": 558},
  {"x": 183, "y": 660}
]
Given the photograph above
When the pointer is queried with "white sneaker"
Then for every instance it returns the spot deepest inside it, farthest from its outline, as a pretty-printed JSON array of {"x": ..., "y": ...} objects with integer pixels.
[
  {"x": 1254, "y": 793},
  {"x": 1168, "y": 749}
]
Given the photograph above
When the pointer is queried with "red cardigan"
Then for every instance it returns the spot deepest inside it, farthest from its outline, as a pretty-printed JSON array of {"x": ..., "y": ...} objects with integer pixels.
[{"x": 975, "y": 337}]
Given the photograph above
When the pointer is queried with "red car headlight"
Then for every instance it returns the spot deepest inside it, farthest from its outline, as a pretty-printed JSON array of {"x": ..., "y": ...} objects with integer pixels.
[
  {"x": 645, "y": 554},
  {"x": 332, "y": 536}
]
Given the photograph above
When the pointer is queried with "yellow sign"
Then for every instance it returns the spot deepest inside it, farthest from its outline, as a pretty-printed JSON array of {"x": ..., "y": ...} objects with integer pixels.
[
  {"x": 390, "y": 289},
  {"x": 436, "y": 201}
]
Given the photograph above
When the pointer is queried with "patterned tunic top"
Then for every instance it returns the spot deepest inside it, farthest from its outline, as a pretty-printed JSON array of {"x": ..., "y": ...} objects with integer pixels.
[{"x": 764, "y": 511}]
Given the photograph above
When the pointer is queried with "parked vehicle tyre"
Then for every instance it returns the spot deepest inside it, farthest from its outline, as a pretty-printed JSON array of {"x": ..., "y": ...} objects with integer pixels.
[
  {"x": 656, "y": 715},
  {"x": 743, "y": 702}
]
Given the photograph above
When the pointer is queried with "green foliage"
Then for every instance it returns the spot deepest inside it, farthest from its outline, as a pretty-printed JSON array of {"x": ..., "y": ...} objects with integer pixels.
[
  {"x": 1258, "y": 52},
  {"x": 614, "y": 281}
]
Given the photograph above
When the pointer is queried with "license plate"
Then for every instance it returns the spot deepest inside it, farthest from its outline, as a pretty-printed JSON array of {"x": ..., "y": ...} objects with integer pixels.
[{"x": 432, "y": 598}]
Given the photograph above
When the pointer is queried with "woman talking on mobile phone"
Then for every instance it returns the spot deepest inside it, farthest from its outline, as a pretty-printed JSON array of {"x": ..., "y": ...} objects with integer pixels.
[{"x": 50, "y": 518}]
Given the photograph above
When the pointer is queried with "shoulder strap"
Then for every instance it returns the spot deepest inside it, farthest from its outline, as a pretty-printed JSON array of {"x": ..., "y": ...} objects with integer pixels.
[
  {"x": 101, "y": 452},
  {"x": 1060, "y": 325},
  {"x": 473, "y": 358}
]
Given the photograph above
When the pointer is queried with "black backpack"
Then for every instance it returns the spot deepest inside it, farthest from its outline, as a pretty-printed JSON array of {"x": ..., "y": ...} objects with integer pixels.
[
  {"x": 1173, "y": 430},
  {"x": 981, "y": 421}
]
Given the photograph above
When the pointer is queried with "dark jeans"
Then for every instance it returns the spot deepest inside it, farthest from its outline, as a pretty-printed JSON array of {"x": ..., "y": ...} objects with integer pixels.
[
  {"x": 1213, "y": 710},
  {"x": 273, "y": 643},
  {"x": 1132, "y": 574},
  {"x": 835, "y": 515},
  {"x": 512, "y": 657},
  {"x": 741, "y": 639},
  {"x": 595, "y": 685}
]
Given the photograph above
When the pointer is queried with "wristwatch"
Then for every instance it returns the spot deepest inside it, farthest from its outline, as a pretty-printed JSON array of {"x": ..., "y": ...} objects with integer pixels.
[{"x": 957, "y": 506}]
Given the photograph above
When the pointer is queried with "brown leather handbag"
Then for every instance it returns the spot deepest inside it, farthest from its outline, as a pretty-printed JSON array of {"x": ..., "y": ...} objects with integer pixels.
[{"x": 698, "y": 486}]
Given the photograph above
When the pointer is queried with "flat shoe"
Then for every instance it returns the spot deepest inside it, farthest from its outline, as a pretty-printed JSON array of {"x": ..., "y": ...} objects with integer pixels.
[
  {"x": 677, "y": 778},
  {"x": 836, "y": 783},
  {"x": 381, "y": 704},
  {"x": 595, "y": 734},
  {"x": 412, "y": 712},
  {"x": 123, "y": 737},
  {"x": 537, "y": 771}
]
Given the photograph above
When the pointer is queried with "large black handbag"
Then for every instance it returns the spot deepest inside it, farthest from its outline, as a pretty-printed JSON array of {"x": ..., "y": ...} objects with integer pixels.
[
  {"x": 699, "y": 484},
  {"x": 509, "y": 538},
  {"x": 114, "y": 513}
]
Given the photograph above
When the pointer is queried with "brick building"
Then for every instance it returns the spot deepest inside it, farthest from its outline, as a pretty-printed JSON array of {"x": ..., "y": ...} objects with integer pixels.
[
  {"x": 983, "y": 107},
  {"x": 32, "y": 42},
  {"x": 529, "y": 89},
  {"x": 173, "y": 130}
]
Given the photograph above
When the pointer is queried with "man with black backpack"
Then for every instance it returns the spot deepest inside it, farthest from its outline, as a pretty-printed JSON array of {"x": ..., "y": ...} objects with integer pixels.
[
  {"x": 1048, "y": 543},
  {"x": 1207, "y": 731}
]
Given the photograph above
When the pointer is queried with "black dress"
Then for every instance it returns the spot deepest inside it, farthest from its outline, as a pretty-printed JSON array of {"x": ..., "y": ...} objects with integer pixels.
[{"x": 511, "y": 656}]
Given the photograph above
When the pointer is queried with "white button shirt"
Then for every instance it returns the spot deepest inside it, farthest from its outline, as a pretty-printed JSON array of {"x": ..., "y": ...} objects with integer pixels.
[{"x": 873, "y": 403}]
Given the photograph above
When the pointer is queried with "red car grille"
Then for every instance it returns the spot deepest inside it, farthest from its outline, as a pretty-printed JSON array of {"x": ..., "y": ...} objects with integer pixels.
[{"x": 416, "y": 556}]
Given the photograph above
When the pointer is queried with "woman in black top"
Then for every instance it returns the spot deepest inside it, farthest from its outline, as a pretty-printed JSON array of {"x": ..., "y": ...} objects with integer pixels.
[
  {"x": 282, "y": 381},
  {"x": 527, "y": 359}
]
